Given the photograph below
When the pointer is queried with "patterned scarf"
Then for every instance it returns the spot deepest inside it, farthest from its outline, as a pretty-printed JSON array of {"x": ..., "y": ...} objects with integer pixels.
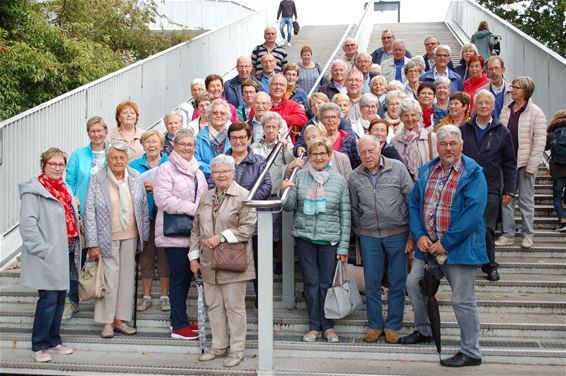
[
  {"x": 217, "y": 140},
  {"x": 411, "y": 156},
  {"x": 125, "y": 197},
  {"x": 58, "y": 189},
  {"x": 315, "y": 198}
]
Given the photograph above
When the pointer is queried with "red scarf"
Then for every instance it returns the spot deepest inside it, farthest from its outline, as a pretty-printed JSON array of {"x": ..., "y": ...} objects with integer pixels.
[
  {"x": 58, "y": 189},
  {"x": 427, "y": 116}
]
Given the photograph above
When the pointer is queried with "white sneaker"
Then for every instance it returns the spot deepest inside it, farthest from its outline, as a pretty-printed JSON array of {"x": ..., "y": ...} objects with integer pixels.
[
  {"x": 504, "y": 240},
  {"x": 70, "y": 308},
  {"x": 527, "y": 243},
  {"x": 41, "y": 356},
  {"x": 62, "y": 349},
  {"x": 288, "y": 44}
]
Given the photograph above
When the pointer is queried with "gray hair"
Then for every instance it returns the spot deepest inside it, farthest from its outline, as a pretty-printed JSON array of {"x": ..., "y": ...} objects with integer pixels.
[
  {"x": 378, "y": 78},
  {"x": 397, "y": 42},
  {"x": 197, "y": 81},
  {"x": 419, "y": 60},
  {"x": 370, "y": 138},
  {"x": 444, "y": 47},
  {"x": 469, "y": 46},
  {"x": 261, "y": 94},
  {"x": 270, "y": 115},
  {"x": 349, "y": 39},
  {"x": 360, "y": 55},
  {"x": 442, "y": 80},
  {"x": 338, "y": 61},
  {"x": 118, "y": 146},
  {"x": 411, "y": 105},
  {"x": 171, "y": 114},
  {"x": 218, "y": 102},
  {"x": 223, "y": 159},
  {"x": 394, "y": 94},
  {"x": 484, "y": 92},
  {"x": 366, "y": 99},
  {"x": 182, "y": 133},
  {"x": 395, "y": 85},
  {"x": 449, "y": 130},
  {"x": 329, "y": 106},
  {"x": 410, "y": 65}
]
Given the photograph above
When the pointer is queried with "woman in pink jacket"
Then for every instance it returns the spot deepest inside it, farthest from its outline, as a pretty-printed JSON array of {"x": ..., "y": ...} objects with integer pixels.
[
  {"x": 527, "y": 124},
  {"x": 177, "y": 188}
]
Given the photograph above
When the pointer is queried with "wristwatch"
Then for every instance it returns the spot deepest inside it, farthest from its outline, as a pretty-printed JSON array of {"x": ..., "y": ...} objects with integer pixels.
[{"x": 222, "y": 239}]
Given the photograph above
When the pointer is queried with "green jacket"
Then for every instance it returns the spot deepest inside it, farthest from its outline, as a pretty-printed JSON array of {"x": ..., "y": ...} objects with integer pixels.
[{"x": 334, "y": 224}]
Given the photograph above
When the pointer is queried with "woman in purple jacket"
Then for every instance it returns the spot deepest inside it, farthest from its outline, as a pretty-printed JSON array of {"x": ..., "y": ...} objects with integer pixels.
[{"x": 177, "y": 188}]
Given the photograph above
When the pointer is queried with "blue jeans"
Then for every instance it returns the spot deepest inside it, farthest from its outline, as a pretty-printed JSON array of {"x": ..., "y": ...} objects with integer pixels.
[
  {"x": 318, "y": 263},
  {"x": 74, "y": 283},
  {"x": 374, "y": 252},
  {"x": 286, "y": 21},
  {"x": 559, "y": 196},
  {"x": 180, "y": 278},
  {"x": 47, "y": 322}
]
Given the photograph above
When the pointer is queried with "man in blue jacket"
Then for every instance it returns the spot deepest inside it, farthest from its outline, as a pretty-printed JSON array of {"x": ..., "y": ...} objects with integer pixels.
[
  {"x": 445, "y": 212},
  {"x": 233, "y": 87},
  {"x": 442, "y": 68},
  {"x": 489, "y": 143}
]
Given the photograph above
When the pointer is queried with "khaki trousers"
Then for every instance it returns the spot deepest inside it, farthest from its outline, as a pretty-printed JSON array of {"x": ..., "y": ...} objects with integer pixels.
[
  {"x": 227, "y": 315},
  {"x": 119, "y": 272}
]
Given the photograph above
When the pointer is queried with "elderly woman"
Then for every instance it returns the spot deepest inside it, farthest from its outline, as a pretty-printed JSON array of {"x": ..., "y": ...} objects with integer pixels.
[
  {"x": 222, "y": 217},
  {"x": 343, "y": 101},
  {"x": 315, "y": 101},
  {"x": 414, "y": 143},
  {"x": 49, "y": 226},
  {"x": 369, "y": 107},
  {"x": 321, "y": 202},
  {"x": 431, "y": 113},
  {"x": 126, "y": 131},
  {"x": 458, "y": 111},
  {"x": 377, "y": 87},
  {"x": 202, "y": 102},
  {"x": 412, "y": 72},
  {"x": 294, "y": 91},
  {"x": 442, "y": 95},
  {"x": 173, "y": 122},
  {"x": 339, "y": 139},
  {"x": 379, "y": 190},
  {"x": 154, "y": 156},
  {"x": 213, "y": 139},
  {"x": 261, "y": 105},
  {"x": 527, "y": 124},
  {"x": 392, "y": 103},
  {"x": 215, "y": 87},
  {"x": 177, "y": 189},
  {"x": 116, "y": 227},
  {"x": 477, "y": 79},
  {"x": 380, "y": 129},
  {"x": 468, "y": 50},
  {"x": 309, "y": 70},
  {"x": 249, "y": 89},
  {"x": 83, "y": 163}
]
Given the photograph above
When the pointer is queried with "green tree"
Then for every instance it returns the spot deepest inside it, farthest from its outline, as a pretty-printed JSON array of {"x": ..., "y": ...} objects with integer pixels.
[{"x": 544, "y": 20}]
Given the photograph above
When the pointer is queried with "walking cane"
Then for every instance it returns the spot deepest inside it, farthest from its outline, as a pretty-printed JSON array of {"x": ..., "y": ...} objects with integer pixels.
[{"x": 136, "y": 290}]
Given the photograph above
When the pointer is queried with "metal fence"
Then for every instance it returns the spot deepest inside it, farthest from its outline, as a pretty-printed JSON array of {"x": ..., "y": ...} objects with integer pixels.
[
  {"x": 522, "y": 54},
  {"x": 158, "y": 84}
]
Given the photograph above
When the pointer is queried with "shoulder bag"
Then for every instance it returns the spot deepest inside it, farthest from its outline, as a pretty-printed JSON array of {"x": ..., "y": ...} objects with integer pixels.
[
  {"x": 179, "y": 224},
  {"x": 92, "y": 284},
  {"x": 343, "y": 297},
  {"x": 230, "y": 257}
]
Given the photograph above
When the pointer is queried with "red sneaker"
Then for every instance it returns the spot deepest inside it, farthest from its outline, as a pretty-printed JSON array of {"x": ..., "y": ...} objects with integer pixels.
[
  {"x": 193, "y": 326},
  {"x": 184, "y": 333}
]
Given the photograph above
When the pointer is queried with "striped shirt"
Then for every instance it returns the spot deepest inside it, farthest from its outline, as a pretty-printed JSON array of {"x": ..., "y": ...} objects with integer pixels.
[
  {"x": 279, "y": 53},
  {"x": 439, "y": 193}
]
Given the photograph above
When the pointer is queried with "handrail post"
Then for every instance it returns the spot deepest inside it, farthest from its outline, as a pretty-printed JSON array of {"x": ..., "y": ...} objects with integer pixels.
[
  {"x": 265, "y": 291},
  {"x": 288, "y": 293}
]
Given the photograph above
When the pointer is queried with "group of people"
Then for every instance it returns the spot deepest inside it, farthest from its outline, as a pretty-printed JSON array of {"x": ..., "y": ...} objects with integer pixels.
[{"x": 404, "y": 153}]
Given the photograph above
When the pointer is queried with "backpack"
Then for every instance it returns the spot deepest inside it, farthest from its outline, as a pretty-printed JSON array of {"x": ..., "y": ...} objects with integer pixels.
[{"x": 558, "y": 145}]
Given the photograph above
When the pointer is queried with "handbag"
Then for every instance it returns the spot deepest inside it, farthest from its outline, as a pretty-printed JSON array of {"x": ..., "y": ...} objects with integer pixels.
[
  {"x": 230, "y": 257},
  {"x": 92, "y": 284},
  {"x": 343, "y": 297},
  {"x": 179, "y": 224}
]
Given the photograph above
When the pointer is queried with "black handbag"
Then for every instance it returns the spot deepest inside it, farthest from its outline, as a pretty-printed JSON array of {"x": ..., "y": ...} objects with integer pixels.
[{"x": 179, "y": 224}]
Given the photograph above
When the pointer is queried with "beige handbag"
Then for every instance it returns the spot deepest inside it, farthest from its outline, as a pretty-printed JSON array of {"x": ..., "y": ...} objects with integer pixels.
[{"x": 92, "y": 284}]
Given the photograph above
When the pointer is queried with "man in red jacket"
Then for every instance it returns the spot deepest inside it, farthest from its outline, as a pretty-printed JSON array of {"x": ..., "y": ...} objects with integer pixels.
[{"x": 289, "y": 110}]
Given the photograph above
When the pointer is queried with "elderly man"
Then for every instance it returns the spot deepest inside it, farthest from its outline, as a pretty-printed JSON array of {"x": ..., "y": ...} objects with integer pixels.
[
  {"x": 337, "y": 84},
  {"x": 392, "y": 69},
  {"x": 489, "y": 143},
  {"x": 379, "y": 199},
  {"x": 260, "y": 105},
  {"x": 350, "y": 48},
  {"x": 386, "y": 51},
  {"x": 499, "y": 86},
  {"x": 197, "y": 87},
  {"x": 442, "y": 55},
  {"x": 430, "y": 43},
  {"x": 290, "y": 111},
  {"x": 445, "y": 213},
  {"x": 363, "y": 64},
  {"x": 268, "y": 47},
  {"x": 354, "y": 85},
  {"x": 268, "y": 65},
  {"x": 233, "y": 87}
]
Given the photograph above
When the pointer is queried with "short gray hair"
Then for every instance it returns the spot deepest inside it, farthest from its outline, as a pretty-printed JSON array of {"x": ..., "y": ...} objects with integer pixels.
[
  {"x": 182, "y": 133},
  {"x": 197, "y": 81},
  {"x": 223, "y": 159},
  {"x": 218, "y": 102},
  {"x": 270, "y": 115},
  {"x": 118, "y": 146},
  {"x": 411, "y": 105},
  {"x": 419, "y": 60},
  {"x": 171, "y": 114},
  {"x": 378, "y": 78},
  {"x": 484, "y": 92},
  {"x": 370, "y": 138},
  {"x": 442, "y": 80},
  {"x": 449, "y": 130},
  {"x": 262, "y": 94},
  {"x": 338, "y": 61},
  {"x": 394, "y": 94},
  {"x": 367, "y": 98},
  {"x": 397, "y": 42},
  {"x": 329, "y": 106},
  {"x": 444, "y": 47}
]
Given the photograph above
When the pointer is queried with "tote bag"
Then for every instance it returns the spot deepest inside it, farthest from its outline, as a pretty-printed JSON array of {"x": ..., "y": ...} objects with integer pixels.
[{"x": 343, "y": 297}]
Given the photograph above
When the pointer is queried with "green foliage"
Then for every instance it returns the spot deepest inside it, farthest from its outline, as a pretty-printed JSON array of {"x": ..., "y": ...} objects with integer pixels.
[
  {"x": 544, "y": 20},
  {"x": 51, "y": 47}
]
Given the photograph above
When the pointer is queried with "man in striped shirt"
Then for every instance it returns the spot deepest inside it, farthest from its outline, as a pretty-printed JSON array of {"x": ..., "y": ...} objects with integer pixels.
[{"x": 269, "y": 47}]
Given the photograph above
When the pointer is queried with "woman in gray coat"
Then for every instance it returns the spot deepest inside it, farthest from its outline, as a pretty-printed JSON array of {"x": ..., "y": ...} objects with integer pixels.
[
  {"x": 49, "y": 226},
  {"x": 116, "y": 227}
]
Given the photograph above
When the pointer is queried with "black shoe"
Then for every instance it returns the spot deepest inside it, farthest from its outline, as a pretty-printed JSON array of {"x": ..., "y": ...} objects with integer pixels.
[
  {"x": 493, "y": 275},
  {"x": 460, "y": 360},
  {"x": 414, "y": 338},
  {"x": 485, "y": 268}
]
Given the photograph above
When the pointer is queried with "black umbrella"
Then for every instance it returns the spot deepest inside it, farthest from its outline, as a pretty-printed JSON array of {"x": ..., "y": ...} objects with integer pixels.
[
  {"x": 429, "y": 285},
  {"x": 201, "y": 313},
  {"x": 136, "y": 290}
]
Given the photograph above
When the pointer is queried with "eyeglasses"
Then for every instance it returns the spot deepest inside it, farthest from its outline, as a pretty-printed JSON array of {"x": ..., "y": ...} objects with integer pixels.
[
  {"x": 185, "y": 145},
  {"x": 316, "y": 155},
  {"x": 444, "y": 56},
  {"x": 56, "y": 166},
  {"x": 370, "y": 106},
  {"x": 330, "y": 117},
  {"x": 222, "y": 172},
  {"x": 238, "y": 138},
  {"x": 516, "y": 87},
  {"x": 452, "y": 144},
  {"x": 218, "y": 113},
  {"x": 96, "y": 131}
]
